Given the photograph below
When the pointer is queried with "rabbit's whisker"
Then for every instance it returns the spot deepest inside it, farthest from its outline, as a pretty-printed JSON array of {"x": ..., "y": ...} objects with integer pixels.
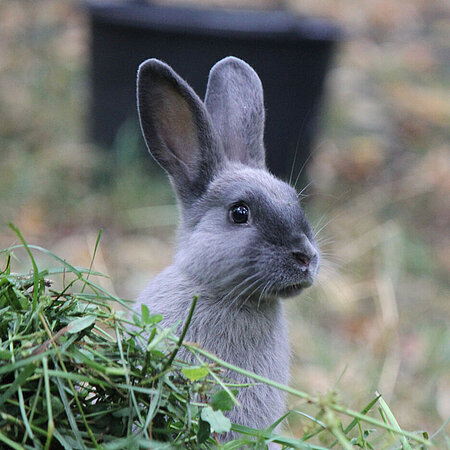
[
  {"x": 323, "y": 227},
  {"x": 250, "y": 295},
  {"x": 244, "y": 291},
  {"x": 238, "y": 294},
  {"x": 304, "y": 189},
  {"x": 322, "y": 240},
  {"x": 295, "y": 157},
  {"x": 297, "y": 146},
  {"x": 263, "y": 292},
  {"x": 316, "y": 233},
  {"x": 319, "y": 222},
  {"x": 240, "y": 285}
]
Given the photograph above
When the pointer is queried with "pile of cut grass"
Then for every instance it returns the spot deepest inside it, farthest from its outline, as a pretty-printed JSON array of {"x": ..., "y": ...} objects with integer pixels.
[{"x": 76, "y": 372}]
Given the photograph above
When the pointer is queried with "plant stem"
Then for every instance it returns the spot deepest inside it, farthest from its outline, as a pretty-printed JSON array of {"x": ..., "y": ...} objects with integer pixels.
[
  {"x": 393, "y": 421},
  {"x": 183, "y": 333},
  {"x": 74, "y": 392},
  {"x": 194, "y": 348}
]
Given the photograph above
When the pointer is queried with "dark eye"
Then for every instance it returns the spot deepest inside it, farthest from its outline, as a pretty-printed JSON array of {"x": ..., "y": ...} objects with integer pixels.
[{"x": 239, "y": 213}]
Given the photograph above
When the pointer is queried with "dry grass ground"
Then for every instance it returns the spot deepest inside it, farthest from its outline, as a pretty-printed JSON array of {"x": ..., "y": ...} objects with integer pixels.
[{"x": 378, "y": 318}]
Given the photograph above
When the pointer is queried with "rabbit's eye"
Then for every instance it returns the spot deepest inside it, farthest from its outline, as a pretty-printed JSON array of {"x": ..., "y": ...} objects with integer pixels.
[{"x": 239, "y": 213}]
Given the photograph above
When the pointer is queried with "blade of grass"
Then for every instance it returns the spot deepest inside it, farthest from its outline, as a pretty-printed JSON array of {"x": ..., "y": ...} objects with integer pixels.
[
  {"x": 82, "y": 270},
  {"x": 17, "y": 383},
  {"x": 96, "y": 288},
  {"x": 127, "y": 379},
  {"x": 313, "y": 419},
  {"x": 7, "y": 269},
  {"x": 392, "y": 420},
  {"x": 440, "y": 429},
  {"x": 97, "y": 242},
  {"x": 292, "y": 442},
  {"x": 36, "y": 399},
  {"x": 154, "y": 405},
  {"x": 50, "y": 423},
  {"x": 353, "y": 423},
  {"x": 62, "y": 441},
  {"x": 340, "y": 436},
  {"x": 16, "y": 421},
  {"x": 341, "y": 409},
  {"x": 68, "y": 411},
  {"x": 307, "y": 436},
  {"x": 23, "y": 413},
  {"x": 278, "y": 421},
  {"x": 9, "y": 442},
  {"x": 74, "y": 393},
  {"x": 36, "y": 290},
  {"x": 24, "y": 362},
  {"x": 183, "y": 333},
  {"x": 219, "y": 381}
]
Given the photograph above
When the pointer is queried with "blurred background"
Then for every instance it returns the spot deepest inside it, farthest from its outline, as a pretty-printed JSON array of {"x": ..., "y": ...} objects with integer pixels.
[{"x": 376, "y": 187}]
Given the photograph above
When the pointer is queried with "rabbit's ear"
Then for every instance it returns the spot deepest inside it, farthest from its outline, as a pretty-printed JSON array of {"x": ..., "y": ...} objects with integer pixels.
[
  {"x": 234, "y": 98},
  {"x": 177, "y": 129}
]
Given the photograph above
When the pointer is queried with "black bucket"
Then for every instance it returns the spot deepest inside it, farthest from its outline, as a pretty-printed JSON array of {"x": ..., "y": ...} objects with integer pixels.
[{"x": 290, "y": 54}]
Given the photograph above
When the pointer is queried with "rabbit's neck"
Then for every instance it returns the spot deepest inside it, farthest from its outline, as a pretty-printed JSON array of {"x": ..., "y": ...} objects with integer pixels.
[
  {"x": 252, "y": 336},
  {"x": 250, "y": 333}
]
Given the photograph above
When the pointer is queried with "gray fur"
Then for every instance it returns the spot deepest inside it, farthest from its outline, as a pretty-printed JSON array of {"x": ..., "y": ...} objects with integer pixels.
[
  {"x": 239, "y": 271},
  {"x": 239, "y": 115},
  {"x": 178, "y": 129}
]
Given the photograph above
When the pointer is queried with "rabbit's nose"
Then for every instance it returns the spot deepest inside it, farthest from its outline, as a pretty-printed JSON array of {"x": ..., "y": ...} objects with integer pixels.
[
  {"x": 302, "y": 259},
  {"x": 305, "y": 254}
]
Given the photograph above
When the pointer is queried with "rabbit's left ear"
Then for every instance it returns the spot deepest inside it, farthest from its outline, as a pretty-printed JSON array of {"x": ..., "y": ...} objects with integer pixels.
[
  {"x": 234, "y": 100},
  {"x": 177, "y": 129}
]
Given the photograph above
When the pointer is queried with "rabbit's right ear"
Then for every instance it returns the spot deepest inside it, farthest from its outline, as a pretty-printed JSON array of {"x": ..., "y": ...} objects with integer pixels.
[
  {"x": 177, "y": 129},
  {"x": 234, "y": 98}
]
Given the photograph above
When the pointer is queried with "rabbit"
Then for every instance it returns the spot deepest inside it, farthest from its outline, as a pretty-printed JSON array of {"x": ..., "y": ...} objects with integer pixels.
[{"x": 243, "y": 239}]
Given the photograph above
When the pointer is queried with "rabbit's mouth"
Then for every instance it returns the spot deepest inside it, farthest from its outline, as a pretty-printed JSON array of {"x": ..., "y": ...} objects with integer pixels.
[
  {"x": 290, "y": 291},
  {"x": 294, "y": 288}
]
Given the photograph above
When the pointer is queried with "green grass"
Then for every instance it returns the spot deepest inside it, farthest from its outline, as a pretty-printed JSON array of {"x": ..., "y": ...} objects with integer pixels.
[
  {"x": 79, "y": 369},
  {"x": 379, "y": 173}
]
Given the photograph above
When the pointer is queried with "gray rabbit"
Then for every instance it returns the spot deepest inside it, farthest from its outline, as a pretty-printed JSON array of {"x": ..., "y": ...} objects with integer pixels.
[{"x": 243, "y": 239}]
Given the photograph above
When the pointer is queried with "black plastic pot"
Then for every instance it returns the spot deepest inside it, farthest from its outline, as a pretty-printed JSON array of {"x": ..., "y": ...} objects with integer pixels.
[{"x": 290, "y": 54}]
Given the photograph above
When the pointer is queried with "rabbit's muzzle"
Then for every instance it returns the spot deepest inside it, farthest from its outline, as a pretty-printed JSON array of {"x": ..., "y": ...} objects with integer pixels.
[
  {"x": 306, "y": 257},
  {"x": 304, "y": 262}
]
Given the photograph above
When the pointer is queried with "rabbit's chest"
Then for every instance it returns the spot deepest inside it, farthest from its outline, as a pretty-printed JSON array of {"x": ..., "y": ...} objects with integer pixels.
[
  {"x": 253, "y": 340},
  {"x": 256, "y": 342}
]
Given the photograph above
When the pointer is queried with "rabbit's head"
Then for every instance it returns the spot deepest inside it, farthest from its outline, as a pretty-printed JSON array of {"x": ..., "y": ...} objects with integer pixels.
[{"x": 243, "y": 233}]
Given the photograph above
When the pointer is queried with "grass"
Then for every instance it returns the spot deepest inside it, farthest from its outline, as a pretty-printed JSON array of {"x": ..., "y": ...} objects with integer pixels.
[
  {"x": 80, "y": 369},
  {"x": 377, "y": 320},
  {"x": 76, "y": 373}
]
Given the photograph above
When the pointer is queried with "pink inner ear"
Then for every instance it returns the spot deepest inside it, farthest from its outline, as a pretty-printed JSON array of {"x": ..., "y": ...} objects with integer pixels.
[{"x": 177, "y": 128}]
